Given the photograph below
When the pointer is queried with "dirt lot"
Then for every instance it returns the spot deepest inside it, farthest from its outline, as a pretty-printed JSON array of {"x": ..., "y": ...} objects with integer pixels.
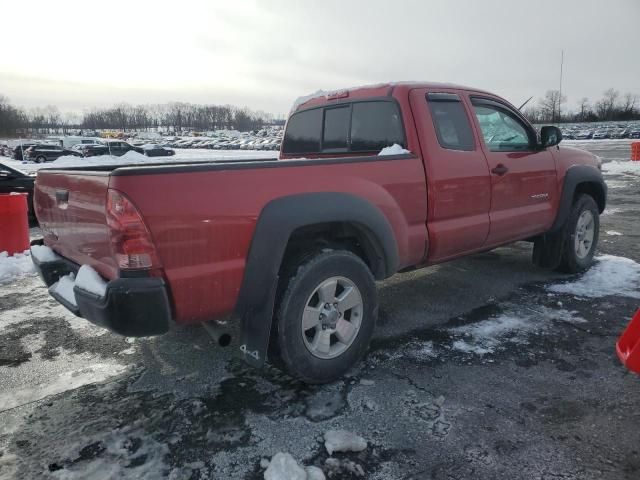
[{"x": 482, "y": 368}]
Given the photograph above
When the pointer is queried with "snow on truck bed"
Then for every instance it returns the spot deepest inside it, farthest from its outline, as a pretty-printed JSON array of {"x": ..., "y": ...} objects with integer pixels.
[{"x": 135, "y": 158}]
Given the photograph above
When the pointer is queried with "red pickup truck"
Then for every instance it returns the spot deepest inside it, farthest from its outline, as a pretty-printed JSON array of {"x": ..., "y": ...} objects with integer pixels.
[{"x": 292, "y": 247}]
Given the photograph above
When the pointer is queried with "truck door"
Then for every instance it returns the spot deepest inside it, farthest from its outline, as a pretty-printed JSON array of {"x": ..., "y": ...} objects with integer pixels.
[
  {"x": 458, "y": 179},
  {"x": 523, "y": 176}
]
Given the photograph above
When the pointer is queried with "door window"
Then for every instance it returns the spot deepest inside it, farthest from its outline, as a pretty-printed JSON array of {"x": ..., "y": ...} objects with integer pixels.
[{"x": 502, "y": 130}]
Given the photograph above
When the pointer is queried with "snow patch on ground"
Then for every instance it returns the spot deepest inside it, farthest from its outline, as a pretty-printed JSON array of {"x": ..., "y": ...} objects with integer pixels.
[
  {"x": 464, "y": 347},
  {"x": 420, "y": 350},
  {"x": 128, "y": 453},
  {"x": 284, "y": 467},
  {"x": 513, "y": 326},
  {"x": 394, "y": 149},
  {"x": 54, "y": 384},
  {"x": 621, "y": 167},
  {"x": 611, "y": 275},
  {"x": 613, "y": 233},
  {"x": 15, "y": 266},
  {"x": 343, "y": 441},
  {"x": 315, "y": 473}
]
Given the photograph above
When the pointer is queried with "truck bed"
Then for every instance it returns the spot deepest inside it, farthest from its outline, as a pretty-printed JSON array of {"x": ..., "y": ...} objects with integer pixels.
[{"x": 202, "y": 215}]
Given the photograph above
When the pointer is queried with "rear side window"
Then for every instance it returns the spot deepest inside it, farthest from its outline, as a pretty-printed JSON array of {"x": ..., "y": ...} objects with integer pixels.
[
  {"x": 375, "y": 125},
  {"x": 303, "y": 132},
  {"x": 451, "y": 122},
  {"x": 336, "y": 128}
]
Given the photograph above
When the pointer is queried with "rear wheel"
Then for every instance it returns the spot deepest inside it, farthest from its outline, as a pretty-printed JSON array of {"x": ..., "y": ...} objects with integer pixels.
[
  {"x": 325, "y": 317},
  {"x": 41, "y": 159},
  {"x": 581, "y": 239}
]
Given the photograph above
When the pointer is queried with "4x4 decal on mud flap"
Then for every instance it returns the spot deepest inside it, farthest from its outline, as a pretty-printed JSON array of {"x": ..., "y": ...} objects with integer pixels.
[{"x": 246, "y": 351}]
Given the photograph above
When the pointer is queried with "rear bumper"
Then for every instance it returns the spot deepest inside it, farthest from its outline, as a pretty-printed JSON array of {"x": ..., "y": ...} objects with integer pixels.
[{"x": 134, "y": 307}]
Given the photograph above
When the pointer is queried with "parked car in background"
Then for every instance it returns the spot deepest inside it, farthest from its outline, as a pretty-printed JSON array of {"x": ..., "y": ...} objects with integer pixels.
[
  {"x": 47, "y": 153},
  {"x": 70, "y": 141},
  {"x": 601, "y": 135},
  {"x": 116, "y": 148},
  {"x": 584, "y": 135},
  {"x": 155, "y": 150},
  {"x": 16, "y": 152},
  {"x": 14, "y": 180},
  {"x": 567, "y": 134},
  {"x": 635, "y": 133}
]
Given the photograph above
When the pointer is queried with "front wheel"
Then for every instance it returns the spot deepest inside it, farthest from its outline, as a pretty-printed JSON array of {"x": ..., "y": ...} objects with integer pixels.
[
  {"x": 325, "y": 317},
  {"x": 41, "y": 159},
  {"x": 582, "y": 228}
]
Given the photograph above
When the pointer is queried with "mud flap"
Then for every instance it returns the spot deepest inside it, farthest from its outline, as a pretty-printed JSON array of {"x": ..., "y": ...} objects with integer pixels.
[
  {"x": 547, "y": 249},
  {"x": 256, "y": 329},
  {"x": 628, "y": 345}
]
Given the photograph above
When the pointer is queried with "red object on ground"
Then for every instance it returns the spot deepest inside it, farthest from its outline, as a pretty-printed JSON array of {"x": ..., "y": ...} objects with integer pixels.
[
  {"x": 628, "y": 345},
  {"x": 635, "y": 151},
  {"x": 14, "y": 223}
]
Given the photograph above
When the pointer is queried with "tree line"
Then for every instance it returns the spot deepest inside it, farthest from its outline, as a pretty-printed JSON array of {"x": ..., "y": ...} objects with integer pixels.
[
  {"x": 611, "y": 107},
  {"x": 175, "y": 116}
]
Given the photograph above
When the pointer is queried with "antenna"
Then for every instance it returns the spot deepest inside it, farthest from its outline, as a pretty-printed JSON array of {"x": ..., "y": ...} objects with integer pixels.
[
  {"x": 560, "y": 96},
  {"x": 527, "y": 101}
]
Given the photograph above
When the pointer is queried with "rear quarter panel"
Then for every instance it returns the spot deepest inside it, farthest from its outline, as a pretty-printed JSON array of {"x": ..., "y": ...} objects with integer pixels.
[{"x": 202, "y": 223}]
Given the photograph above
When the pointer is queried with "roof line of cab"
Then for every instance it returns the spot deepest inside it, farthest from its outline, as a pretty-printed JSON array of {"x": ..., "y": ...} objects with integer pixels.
[{"x": 322, "y": 98}]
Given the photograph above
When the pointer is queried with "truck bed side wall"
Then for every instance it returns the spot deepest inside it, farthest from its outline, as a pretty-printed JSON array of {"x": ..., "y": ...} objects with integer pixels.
[{"x": 202, "y": 223}]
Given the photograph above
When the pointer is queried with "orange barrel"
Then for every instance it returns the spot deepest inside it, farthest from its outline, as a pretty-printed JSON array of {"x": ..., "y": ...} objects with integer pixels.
[
  {"x": 14, "y": 223},
  {"x": 635, "y": 151}
]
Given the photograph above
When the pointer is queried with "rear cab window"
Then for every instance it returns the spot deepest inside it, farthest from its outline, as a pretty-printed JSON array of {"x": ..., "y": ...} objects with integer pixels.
[
  {"x": 303, "y": 132},
  {"x": 376, "y": 125},
  {"x": 336, "y": 128},
  {"x": 365, "y": 126}
]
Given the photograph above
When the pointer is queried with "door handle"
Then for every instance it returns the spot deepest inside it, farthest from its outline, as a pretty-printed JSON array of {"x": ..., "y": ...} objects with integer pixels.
[{"x": 500, "y": 169}]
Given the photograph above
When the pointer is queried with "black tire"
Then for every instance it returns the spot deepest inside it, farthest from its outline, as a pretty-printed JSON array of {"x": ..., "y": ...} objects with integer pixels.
[
  {"x": 571, "y": 262},
  {"x": 288, "y": 350},
  {"x": 41, "y": 159}
]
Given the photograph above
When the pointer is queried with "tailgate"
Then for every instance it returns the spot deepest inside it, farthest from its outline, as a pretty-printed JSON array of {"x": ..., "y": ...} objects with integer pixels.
[{"x": 70, "y": 206}]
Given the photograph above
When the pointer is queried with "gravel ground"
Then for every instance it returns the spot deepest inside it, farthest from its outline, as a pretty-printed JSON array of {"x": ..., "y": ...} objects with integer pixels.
[{"x": 481, "y": 368}]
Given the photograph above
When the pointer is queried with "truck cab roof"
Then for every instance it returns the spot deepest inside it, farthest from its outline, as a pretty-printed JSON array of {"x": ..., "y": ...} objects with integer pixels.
[{"x": 322, "y": 97}]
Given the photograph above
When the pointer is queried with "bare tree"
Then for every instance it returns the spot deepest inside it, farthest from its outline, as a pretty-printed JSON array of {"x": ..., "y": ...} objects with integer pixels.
[
  {"x": 606, "y": 107},
  {"x": 628, "y": 106},
  {"x": 550, "y": 105},
  {"x": 583, "y": 106}
]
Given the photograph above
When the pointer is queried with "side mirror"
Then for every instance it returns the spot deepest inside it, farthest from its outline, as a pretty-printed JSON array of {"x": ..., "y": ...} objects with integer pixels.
[{"x": 550, "y": 136}]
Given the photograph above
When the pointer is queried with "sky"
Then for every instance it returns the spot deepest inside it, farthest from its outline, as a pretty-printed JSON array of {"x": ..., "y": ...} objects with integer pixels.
[{"x": 264, "y": 54}]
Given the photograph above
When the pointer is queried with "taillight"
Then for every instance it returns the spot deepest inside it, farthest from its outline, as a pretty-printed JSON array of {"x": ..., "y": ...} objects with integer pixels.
[{"x": 130, "y": 240}]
